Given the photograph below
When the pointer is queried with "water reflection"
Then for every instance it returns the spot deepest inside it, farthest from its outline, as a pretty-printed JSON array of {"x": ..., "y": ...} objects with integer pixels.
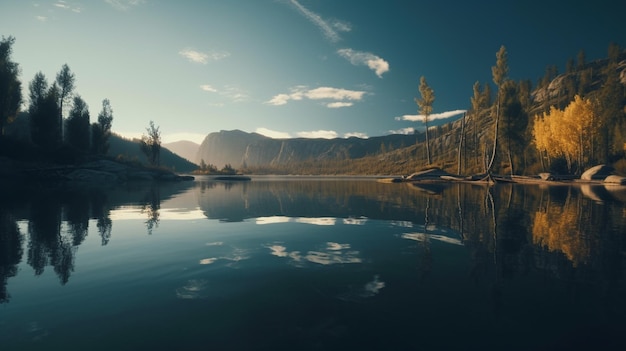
[{"x": 570, "y": 233}]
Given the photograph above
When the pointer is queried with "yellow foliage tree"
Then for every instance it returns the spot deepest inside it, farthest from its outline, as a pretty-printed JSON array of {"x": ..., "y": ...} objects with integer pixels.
[{"x": 569, "y": 133}]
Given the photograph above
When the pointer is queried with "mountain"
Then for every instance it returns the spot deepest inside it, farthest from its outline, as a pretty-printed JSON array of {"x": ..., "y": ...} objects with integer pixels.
[
  {"x": 241, "y": 149},
  {"x": 129, "y": 150},
  {"x": 183, "y": 148}
]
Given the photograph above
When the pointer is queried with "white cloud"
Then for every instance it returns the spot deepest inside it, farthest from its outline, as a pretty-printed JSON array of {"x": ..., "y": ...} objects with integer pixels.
[
  {"x": 124, "y": 5},
  {"x": 207, "y": 87},
  {"x": 328, "y": 29},
  {"x": 272, "y": 133},
  {"x": 434, "y": 116},
  {"x": 405, "y": 131},
  {"x": 41, "y": 18},
  {"x": 373, "y": 62},
  {"x": 340, "y": 97},
  {"x": 194, "y": 56},
  {"x": 318, "y": 134},
  {"x": 339, "y": 104},
  {"x": 202, "y": 57},
  {"x": 356, "y": 134}
]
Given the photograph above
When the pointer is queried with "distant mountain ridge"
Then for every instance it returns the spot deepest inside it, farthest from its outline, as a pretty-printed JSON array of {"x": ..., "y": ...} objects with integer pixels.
[
  {"x": 183, "y": 148},
  {"x": 241, "y": 149}
]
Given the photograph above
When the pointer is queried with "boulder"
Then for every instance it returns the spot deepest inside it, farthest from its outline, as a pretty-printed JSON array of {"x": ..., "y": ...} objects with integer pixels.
[
  {"x": 598, "y": 172},
  {"x": 433, "y": 173},
  {"x": 615, "y": 179}
]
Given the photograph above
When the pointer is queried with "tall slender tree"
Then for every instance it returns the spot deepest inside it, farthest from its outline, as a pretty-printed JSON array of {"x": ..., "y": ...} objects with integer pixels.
[
  {"x": 65, "y": 80},
  {"x": 10, "y": 85},
  {"x": 101, "y": 131},
  {"x": 151, "y": 144},
  {"x": 500, "y": 74},
  {"x": 425, "y": 104}
]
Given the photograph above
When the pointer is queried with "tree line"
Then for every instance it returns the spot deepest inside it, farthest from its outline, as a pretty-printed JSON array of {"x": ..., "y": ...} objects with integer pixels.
[
  {"x": 59, "y": 120},
  {"x": 567, "y": 123}
]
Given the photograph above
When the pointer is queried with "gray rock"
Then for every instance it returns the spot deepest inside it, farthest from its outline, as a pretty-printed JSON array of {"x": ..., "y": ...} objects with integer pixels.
[{"x": 92, "y": 176}]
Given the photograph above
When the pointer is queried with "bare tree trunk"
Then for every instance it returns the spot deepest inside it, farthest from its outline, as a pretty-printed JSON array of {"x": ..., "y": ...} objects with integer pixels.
[
  {"x": 461, "y": 139},
  {"x": 495, "y": 136}
]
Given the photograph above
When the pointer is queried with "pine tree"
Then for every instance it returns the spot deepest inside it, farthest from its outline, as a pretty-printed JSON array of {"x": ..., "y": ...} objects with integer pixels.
[{"x": 425, "y": 109}]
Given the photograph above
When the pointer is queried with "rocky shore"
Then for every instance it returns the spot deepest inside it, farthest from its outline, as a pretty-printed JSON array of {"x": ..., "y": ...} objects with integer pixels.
[{"x": 101, "y": 171}]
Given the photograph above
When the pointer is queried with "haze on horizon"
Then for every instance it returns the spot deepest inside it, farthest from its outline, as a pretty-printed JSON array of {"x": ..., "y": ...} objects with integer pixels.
[{"x": 293, "y": 68}]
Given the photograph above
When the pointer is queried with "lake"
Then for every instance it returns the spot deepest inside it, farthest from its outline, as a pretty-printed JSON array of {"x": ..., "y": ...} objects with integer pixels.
[{"x": 311, "y": 263}]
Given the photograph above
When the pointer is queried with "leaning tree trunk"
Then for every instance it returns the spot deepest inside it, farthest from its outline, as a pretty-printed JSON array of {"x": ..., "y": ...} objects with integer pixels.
[
  {"x": 461, "y": 139},
  {"x": 495, "y": 137}
]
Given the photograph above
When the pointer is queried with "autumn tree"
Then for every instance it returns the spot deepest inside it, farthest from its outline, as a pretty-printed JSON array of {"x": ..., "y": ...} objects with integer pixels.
[
  {"x": 10, "y": 85},
  {"x": 77, "y": 125},
  {"x": 568, "y": 133},
  {"x": 101, "y": 131},
  {"x": 150, "y": 144},
  {"x": 425, "y": 104}
]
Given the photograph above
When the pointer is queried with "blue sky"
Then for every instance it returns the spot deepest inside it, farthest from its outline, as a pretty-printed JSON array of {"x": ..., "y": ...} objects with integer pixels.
[{"x": 294, "y": 68}]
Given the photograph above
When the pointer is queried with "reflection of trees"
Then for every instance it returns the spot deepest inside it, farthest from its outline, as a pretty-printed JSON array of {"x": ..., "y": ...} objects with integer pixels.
[
  {"x": 151, "y": 206},
  {"x": 46, "y": 245},
  {"x": 10, "y": 251},
  {"x": 560, "y": 228}
]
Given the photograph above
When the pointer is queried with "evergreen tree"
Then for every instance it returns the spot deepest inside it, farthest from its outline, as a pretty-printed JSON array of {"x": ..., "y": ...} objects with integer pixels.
[
  {"x": 65, "y": 80},
  {"x": 10, "y": 85},
  {"x": 611, "y": 114},
  {"x": 44, "y": 111},
  {"x": 101, "y": 131},
  {"x": 77, "y": 125},
  {"x": 425, "y": 109}
]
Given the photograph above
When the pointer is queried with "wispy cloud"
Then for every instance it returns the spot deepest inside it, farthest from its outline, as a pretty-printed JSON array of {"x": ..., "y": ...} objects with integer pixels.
[
  {"x": 315, "y": 134},
  {"x": 329, "y": 28},
  {"x": 339, "y": 97},
  {"x": 65, "y": 6},
  {"x": 229, "y": 92},
  {"x": 41, "y": 18},
  {"x": 318, "y": 134},
  {"x": 124, "y": 5},
  {"x": 434, "y": 116},
  {"x": 360, "y": 58},
  {"x": 202, "y": 57},
  {"x": 207, "y": 87}
]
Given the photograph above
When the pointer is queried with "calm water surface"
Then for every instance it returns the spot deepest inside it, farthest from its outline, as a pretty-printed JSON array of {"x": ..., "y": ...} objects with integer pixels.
[{"x": 312, "y": 264}]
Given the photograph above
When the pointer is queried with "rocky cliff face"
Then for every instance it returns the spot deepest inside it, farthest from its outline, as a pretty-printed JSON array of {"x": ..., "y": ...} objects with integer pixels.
[{"x": 239, "y": 148}]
